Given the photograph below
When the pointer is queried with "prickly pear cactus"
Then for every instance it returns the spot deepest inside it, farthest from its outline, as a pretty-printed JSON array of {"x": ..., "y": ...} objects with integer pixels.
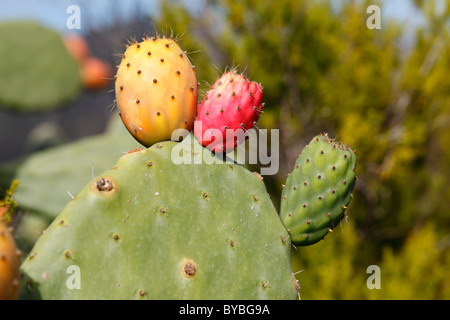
[
  {"x": 156, "y": 90},
  {"x": 37, "y": 73},
  {"x": 9, "y": 265},
  {"x": 318, "y": 190},
  {"x": 161, "y": 225}
]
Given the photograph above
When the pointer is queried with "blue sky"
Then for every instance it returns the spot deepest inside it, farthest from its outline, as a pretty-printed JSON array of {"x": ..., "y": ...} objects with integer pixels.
[{"x": 53, "y": 13}]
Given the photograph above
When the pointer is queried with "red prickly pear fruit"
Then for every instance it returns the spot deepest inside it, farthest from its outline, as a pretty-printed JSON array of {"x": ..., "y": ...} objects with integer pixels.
[
  {"x": 95, "y": 73},
  {"x": 229, "y": 109}
]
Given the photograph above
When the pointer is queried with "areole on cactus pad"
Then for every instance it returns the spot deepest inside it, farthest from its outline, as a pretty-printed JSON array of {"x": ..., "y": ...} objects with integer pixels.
[
  {"x": 156, "y": 90},
  {"x": 229, "y": 109}
]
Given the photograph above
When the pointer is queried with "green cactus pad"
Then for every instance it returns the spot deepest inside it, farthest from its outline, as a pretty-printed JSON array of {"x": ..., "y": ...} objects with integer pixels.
[
  {"x": 318, "y": 190},
  {"x": 152, "y": 229},
  {"x": 37, "y": 73}
]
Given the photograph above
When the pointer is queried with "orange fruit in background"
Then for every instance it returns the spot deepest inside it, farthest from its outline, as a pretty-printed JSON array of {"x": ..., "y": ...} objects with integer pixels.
[
  {"x": 95, "y": 73},
  {"x": 77, "y": 46},
  {"x": 9, "y": 265}
]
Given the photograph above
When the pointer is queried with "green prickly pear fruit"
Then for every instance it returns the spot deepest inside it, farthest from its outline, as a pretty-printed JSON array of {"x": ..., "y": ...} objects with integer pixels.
[
  {"x": 318, "y": 190},
  {"x": 156, "y": 90},
  {"x": 152, "y": 229}
]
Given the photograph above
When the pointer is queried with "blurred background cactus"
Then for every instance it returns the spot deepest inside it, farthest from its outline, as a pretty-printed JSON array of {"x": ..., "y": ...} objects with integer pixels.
[
  {"x": 383, "y": 91},
  {"x": 37, "y": 72}
]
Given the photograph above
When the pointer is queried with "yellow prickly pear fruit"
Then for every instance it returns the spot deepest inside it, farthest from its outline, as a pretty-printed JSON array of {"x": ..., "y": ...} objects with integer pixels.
[
  {"x": 156, "y": 90},
  {"x": 9, "y": 265}
]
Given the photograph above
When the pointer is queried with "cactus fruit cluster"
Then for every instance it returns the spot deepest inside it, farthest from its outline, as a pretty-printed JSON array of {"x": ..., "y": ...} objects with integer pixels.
[
  {"x": 154, "y": 228},
  {"x": 156, "y": 90}
]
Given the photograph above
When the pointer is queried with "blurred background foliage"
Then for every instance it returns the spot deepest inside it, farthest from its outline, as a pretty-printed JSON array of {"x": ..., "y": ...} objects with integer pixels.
[{"x": 322, "y": 70}]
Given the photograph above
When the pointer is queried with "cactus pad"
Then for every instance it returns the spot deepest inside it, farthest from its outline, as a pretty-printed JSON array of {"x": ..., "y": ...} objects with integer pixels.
[
  {"x": 152, "y": 229},
  {"x": 37, "y": 73}
]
